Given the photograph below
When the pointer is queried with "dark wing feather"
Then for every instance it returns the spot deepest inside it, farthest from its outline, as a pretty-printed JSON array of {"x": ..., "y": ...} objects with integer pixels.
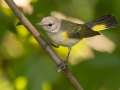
[{"x": 77, "y": 31}]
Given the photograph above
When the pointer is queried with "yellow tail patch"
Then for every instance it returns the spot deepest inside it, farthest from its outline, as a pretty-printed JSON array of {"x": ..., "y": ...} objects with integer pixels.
[{"x": 99, "y": 27}]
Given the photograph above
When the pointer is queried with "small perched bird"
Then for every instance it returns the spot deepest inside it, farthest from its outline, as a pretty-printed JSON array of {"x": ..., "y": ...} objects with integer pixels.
[{"x": 67, "y": 33}]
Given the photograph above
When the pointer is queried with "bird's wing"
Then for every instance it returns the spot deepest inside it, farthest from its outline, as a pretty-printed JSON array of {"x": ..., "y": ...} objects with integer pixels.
[
  {"x": 72, "y": 29},
  {"x": 77, "y": 31},
  {"x": 67, "y": 18}
]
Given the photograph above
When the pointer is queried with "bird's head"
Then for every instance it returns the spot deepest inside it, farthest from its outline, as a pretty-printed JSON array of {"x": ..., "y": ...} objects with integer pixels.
[{"x": 50, "y": 24}]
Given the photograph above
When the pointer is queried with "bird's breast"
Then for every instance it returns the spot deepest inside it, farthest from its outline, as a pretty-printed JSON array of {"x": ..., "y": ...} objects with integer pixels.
[{"x": 62, "y": 38}]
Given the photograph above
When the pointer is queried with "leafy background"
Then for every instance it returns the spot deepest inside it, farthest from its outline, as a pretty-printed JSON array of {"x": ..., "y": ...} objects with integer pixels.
[{"x": 25, "y": 66}]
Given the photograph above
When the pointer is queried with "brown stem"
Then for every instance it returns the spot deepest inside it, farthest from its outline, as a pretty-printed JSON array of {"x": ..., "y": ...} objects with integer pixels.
[{"x": 44, "y": 45}]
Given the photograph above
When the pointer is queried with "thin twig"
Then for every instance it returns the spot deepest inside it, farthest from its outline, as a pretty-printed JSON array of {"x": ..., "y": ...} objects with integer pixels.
[{"x": 43, "y": 44}]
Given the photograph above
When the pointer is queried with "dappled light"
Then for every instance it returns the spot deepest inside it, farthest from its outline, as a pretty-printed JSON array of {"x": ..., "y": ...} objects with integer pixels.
[
  {"x": 25, "y": 5},
  {"x": 21, "y": 83},
  {"x": 11, "y": 46},
  {"x": 101, "y": 43},
  {"x": 46, "y": 86},
  {"x": 95, "y": 61}
]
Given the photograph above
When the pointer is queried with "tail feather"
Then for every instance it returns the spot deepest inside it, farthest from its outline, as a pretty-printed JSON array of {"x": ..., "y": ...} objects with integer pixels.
[{"x": 102, "y": 23}]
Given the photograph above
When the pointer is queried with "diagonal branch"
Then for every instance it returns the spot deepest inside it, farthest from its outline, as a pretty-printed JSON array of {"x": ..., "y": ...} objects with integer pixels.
[{"x": 74, "y": 82}]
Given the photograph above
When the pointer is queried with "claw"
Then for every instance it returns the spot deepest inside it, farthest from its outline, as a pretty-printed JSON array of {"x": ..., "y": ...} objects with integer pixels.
[
  {"x": 67, "y": 58},
  {"x": 61, "y": 66}
]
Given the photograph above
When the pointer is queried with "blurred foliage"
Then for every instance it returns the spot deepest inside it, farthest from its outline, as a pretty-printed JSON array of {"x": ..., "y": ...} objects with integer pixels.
[{"x": 25, "y": 66}]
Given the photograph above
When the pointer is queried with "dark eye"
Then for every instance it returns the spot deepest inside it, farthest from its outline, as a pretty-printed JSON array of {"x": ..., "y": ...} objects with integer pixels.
[{"x": 50, "y": 24}]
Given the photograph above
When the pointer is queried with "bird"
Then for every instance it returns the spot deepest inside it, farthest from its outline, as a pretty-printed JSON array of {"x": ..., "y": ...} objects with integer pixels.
[{"x": 66, "y": 32}]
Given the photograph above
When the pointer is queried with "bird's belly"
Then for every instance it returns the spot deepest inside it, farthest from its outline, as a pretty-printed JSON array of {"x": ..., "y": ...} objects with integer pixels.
[
  {"x": 70, "y": 42},
  {"x": 60, "y": 40}
]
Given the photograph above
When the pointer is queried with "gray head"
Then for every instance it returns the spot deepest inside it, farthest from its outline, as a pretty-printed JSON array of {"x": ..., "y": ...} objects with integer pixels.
[{"x": 51, "y": 24}]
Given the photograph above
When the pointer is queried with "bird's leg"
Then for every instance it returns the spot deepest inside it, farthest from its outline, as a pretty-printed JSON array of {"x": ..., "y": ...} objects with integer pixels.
[
  {"x": 54, "y": 45},
  {"x": 63, "y": 65},
  {"x": 67, "y": 58}
]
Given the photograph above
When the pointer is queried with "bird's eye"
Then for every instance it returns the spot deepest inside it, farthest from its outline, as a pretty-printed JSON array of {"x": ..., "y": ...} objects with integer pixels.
[{"x": 50, "y": 24}]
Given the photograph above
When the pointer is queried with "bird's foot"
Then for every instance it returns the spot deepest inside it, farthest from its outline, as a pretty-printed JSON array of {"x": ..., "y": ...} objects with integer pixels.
[{"x": 62, "y": 66}]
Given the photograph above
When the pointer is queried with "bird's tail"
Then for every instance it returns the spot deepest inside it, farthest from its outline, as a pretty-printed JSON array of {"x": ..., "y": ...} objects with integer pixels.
[{"x": 102, "y": 23}]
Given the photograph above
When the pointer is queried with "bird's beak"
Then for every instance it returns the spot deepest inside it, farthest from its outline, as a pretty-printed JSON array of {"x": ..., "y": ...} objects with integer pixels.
[{"x": 40, "y": 24}]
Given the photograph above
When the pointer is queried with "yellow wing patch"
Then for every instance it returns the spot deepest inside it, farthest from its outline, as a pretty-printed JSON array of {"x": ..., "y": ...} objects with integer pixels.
[
  {"x": 65, "y": 36},
  {"x": 99, "y": 27}
]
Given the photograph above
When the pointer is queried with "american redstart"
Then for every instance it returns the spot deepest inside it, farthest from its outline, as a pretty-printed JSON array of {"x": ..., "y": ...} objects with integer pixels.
[{"x": 67, "y": 33}]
